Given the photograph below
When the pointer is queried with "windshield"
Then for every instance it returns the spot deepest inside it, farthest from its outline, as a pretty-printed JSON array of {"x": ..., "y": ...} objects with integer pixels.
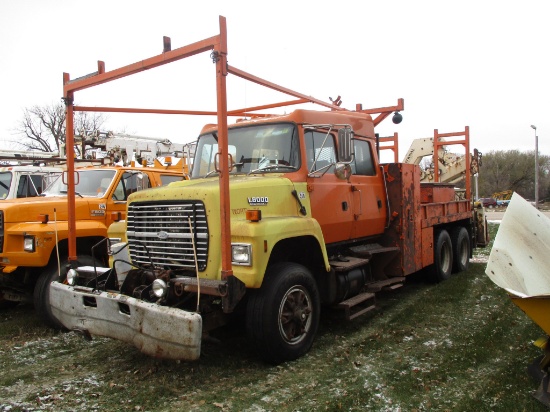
[
  {"x": 5, "y": 182},
  {"x": 32, "y": 184},
  {"x": 89, "y": 183},
  {"x": 253, "y": 149}
]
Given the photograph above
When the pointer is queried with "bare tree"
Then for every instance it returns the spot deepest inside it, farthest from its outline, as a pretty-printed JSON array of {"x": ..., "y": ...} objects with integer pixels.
[{"x": 42, "y": 128}]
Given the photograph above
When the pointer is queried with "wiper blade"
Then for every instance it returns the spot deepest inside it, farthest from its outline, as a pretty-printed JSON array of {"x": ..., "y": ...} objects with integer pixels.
[
  {"x": 210, "y": 173},
  {"x": 271, "y": 167},
  {"x": 64, "y": 192}
]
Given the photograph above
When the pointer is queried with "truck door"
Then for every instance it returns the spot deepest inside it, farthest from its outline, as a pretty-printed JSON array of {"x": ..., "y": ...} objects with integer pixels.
[
  {"x": 131, "y": 181},
  {"x": 330, "y": 197},
  {"x": 367, "y": 192}
]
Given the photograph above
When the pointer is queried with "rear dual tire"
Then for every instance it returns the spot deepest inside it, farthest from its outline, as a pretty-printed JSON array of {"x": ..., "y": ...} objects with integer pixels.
[
  {"x": 461, "y": 249},
  {"x": 451, "y": 253},
  {"x": 443, "y": 257}
]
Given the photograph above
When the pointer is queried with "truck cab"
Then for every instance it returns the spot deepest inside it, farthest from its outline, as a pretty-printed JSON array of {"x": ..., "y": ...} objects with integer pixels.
[{"x": 25, "y": 181}]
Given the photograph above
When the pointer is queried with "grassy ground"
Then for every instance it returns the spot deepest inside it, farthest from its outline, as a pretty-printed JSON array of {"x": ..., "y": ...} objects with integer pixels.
[{"x": 457, "y": 346}]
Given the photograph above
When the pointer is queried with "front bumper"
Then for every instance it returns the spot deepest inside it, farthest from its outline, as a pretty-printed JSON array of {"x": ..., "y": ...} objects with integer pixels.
[{"x": 158, "y": 331}]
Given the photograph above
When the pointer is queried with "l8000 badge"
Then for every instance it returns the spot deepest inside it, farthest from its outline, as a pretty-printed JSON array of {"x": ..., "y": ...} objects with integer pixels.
[{"x": 258, "y": 201}]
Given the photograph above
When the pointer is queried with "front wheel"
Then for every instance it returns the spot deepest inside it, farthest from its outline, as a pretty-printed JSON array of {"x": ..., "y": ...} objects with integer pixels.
[
  {"x": 443, "y": 257},
  {"x": 283, "y": 315},
  {"x": 41, "y": 296}
]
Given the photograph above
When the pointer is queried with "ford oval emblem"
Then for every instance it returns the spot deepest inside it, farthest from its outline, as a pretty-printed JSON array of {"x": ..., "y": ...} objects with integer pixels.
[{"x": 162, "y": 235}]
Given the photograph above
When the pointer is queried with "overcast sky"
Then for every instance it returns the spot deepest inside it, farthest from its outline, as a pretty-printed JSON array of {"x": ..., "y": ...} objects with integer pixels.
[{"x": 482, "y": 64}]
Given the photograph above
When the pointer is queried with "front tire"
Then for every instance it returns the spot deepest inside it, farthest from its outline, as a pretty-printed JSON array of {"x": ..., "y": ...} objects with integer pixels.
[
  {"x": 283, "y": 315},
  {"x": 443, "y": 257},
  {"x": 41, "y": 295}
]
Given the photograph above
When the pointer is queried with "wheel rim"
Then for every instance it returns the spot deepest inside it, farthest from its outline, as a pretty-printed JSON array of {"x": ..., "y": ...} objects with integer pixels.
[{"x": 295, "y": 315}]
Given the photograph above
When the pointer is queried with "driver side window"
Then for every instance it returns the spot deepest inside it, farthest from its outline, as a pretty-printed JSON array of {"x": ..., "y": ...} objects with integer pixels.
[
  {"x": 118, "y": 194},
  {"x": 131, "y": 182},
  {"x": 319, "y": 155}
]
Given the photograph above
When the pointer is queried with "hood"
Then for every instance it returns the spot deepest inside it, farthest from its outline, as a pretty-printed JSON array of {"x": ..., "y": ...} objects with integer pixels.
[
  {"x": 28, "y": 210},
  {"x": 265, "y": 192}
]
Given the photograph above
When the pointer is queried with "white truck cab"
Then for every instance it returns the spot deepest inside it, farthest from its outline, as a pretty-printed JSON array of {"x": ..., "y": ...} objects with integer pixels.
[{"x": 25, "y": 181}]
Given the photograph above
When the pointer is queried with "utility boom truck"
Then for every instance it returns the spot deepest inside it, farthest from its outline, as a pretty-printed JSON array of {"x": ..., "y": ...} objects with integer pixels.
[
  {"x": 125, "y": 149},
  {"x": 313, "y": 219}
]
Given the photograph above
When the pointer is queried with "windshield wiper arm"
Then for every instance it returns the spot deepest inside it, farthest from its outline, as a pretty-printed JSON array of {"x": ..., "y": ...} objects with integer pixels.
[
  {"x": 65, "y": 192},
  {"x": 210, "y": 173},
  {"x": 271, "y": 167}
]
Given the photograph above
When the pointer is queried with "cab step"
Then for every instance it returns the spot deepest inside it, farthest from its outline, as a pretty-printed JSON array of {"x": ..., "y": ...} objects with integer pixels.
[
  {"x": 386, "y": 284},
  {"x": 367, "y": 251},
  {"x": 347, "y": 263},
  {"x": 357, "y": 305}
]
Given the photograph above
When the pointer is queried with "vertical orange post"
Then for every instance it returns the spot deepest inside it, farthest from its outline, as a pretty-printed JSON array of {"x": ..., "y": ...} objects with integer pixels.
[
  {"x": 468, "y": 165},
  {"x": 436, "y": 156},
  {"x": 394, "y": 146},
  {"x": 464, "y": 142},
  {"x": 220, "y": 53},
  {"x": 69, "y": 154}
]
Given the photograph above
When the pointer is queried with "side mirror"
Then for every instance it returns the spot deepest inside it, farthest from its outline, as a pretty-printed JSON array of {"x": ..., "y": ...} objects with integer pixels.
[
  {"x": 342, "y": 171},
  {"x": 345, "y": 145}
]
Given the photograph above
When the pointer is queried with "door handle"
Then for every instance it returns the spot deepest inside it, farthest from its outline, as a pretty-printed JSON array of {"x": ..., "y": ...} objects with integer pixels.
[{"x": 354, "y": 189}]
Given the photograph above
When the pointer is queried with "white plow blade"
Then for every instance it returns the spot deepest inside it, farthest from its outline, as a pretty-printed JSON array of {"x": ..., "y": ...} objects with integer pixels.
[{"x": 520, "y": 259}]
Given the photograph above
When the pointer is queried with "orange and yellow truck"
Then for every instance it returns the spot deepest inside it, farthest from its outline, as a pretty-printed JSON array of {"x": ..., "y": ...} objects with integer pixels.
[
  {"x": 315, "y": 220},
  {"x": 283, "y": 214}
]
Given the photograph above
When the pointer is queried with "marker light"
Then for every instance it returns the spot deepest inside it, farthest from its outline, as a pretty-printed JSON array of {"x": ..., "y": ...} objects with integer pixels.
[{"x": 254, "y": 215}]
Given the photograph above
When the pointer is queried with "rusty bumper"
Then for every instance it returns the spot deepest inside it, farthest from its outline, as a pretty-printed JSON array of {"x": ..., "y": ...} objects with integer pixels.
[{"x": 158, "y": 331}]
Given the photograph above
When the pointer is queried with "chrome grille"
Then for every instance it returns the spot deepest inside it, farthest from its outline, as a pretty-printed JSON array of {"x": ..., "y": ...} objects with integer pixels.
[{"x": 159, "y": 233}]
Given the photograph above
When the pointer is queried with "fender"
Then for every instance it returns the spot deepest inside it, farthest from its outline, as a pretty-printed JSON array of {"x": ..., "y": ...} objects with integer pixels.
[
  {"x": 264, "y": 235},
  {"x": 45, "y": 240}
]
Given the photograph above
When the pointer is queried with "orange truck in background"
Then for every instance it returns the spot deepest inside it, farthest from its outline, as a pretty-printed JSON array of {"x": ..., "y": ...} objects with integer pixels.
[
  {"x": 283, "y": 214},
  {"x": 33, "y": 239}
]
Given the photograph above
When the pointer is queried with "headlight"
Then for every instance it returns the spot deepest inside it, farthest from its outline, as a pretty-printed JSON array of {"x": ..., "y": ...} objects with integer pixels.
[
  {"x": 241, "y": 254},
  {"x": 159, "y": 288},
  {"x": 28, "y": 244},
  {"x": 71, "y": 277}
]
